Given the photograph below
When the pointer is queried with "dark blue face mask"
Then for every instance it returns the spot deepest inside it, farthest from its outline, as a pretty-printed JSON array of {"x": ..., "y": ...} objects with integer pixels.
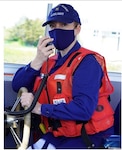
[{"x": 62, "y": 38}]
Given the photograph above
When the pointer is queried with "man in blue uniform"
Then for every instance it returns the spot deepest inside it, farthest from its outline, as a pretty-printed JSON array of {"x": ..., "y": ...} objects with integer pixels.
[{"x": 64, "y": 25}]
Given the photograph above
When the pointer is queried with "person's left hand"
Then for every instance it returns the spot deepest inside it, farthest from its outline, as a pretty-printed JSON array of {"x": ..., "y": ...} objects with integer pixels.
[{"x": 26, "y": 101}]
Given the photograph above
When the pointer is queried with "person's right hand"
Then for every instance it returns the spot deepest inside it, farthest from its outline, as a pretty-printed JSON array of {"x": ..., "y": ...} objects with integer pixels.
[{"x": 43, "y": 52}]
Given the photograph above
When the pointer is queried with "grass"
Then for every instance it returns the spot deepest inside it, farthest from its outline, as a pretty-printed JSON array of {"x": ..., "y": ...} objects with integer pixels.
[
  {"x": 14, "y": 52},
  {"x": 114, "y": 67}
]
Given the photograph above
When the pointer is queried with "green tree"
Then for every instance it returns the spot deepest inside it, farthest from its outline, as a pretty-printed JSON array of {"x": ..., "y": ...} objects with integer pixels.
[{"x": 26, "y": 31}]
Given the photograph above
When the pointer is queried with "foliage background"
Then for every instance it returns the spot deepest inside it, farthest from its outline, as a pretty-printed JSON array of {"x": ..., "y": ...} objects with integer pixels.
[
  {"x": 27, "y": 32},
  {"x": 20, "y": 40}
]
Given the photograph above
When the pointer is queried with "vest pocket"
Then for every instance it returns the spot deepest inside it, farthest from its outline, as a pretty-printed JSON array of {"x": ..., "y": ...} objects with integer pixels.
[{"x": 102, "y": 118}]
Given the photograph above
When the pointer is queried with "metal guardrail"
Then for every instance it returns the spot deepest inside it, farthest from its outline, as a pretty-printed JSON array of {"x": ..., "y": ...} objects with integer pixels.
[{"x": 10, "y": 69}]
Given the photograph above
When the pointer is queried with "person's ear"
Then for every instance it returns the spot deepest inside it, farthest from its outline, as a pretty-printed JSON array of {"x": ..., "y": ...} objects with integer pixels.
[{"x": 77, "y": 29}]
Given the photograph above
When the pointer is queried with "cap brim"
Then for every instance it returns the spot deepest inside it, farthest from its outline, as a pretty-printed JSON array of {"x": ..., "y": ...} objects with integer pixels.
[{"x": 57, "y": 19}]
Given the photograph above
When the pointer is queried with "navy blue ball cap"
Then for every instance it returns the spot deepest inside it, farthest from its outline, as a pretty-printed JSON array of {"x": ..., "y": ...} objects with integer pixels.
[{"x": 63, "y": 13}]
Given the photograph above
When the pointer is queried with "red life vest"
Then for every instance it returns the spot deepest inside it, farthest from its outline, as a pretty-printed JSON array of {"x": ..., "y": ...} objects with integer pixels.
[{"x": 59, "y": 87}]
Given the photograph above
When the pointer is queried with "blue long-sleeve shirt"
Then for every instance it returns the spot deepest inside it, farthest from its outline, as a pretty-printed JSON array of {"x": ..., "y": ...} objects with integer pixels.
[{"x": 86, "y": 84}]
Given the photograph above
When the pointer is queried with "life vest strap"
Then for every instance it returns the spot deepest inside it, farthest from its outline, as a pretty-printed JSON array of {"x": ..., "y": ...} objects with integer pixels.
[{"x": 86, "y": 138}]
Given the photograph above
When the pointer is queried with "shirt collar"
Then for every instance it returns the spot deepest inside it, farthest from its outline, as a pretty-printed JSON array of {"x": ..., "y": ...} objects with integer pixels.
[
  {"x": 74, "y": 48},
  {"x": 60, "y": 60}
]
